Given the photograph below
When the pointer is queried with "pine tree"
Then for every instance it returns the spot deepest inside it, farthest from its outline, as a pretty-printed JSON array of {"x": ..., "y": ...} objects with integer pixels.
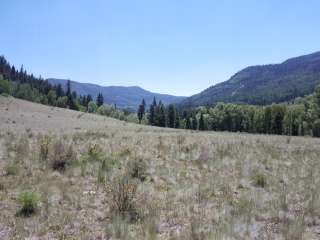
[
  {"x": 177, "y": 122},
  {"x": 194, "y": 123},
  {"x": 71, "y": 102},
  {"x": 188, "y": 123},
  {"x": 161, "y": 115},
  {"x": 171, "y": 116},
  {"x": 68, "y": 93},
  {"x": 152, "y": 112},
  {"x": 99, "y": 100},
  {"x": 59, "y": 90},
  {"x": 141, "y": 110},
  {"x": 201, "y": 123}
]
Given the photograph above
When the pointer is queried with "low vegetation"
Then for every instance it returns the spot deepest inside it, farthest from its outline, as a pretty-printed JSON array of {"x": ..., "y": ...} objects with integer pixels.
[
  {"x": 140, "y": 182},
  {"x": 29, "y": 202}
]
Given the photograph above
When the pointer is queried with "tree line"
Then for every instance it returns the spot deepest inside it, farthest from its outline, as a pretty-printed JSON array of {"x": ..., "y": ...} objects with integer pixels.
[
  {"x": 300, "y": 118},
  {"x": 20, "y": 84}
]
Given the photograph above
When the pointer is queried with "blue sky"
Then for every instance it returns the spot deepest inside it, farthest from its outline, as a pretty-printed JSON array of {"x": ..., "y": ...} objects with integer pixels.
[{"x": 167, "y": 46}]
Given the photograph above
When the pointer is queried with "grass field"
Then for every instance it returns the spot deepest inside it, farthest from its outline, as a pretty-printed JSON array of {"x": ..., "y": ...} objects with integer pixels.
[{"x": 72, "y": 175}]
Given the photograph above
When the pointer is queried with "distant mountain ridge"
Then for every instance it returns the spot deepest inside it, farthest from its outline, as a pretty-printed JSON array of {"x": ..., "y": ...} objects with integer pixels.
[
  {"x": 264, "y": 84},
  {"x": 124, "y": 97}
]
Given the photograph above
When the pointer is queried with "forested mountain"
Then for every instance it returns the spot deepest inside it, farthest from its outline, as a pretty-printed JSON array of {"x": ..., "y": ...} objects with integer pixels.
[
  {"x": 122, "y": 97},
  {"x": 265, "y": 84}
]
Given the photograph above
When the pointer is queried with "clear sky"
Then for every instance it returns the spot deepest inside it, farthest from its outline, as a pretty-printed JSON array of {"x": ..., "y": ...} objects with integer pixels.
[{"x": 167, "y": 46}]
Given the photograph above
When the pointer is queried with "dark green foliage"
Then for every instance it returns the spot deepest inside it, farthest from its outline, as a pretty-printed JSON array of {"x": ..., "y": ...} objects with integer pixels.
[
  {"x": 277, "y": 113},
  {"x": 99, "y": 100},
  {"x": 152, "y": 112},
  {"x": 296, "y": 119},
  {"x": 5, "y": 86},
  {"x": 262, "y": 85},
  {"x": 160, "y": 115},
  {"x": 29, "y": 203},
  {"x": 177, "y": 121},
  {"x": 259, "y": 180},
  {"x": 316, "y": 128},
  {"x": 194, "y": 123},
  {"x": 201, "y": 123},
  {"x": 141, "y": 110},
  {"x": 171, "y": 116},
  {"x": 188, "y": 123},
  {"x": 25, "y": 86}
]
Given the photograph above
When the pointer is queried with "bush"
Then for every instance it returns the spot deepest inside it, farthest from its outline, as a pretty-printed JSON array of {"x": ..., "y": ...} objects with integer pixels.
[
  {"x": 123, "y": 197},
  {"x": 62, "y": 156},
  {"x": 11, "y": 169},
  {"x": 92, "y": 107},
  {"x": 259, "y": 180},
  {"x": 94, "y": 152},
  {"x": 5, "y": 86},
  {"x": 44, "y": 148},
  {"x": 137, "y": 168},
  {"x": 316, "y": 128},
  {"x": 29, "y": 203}
]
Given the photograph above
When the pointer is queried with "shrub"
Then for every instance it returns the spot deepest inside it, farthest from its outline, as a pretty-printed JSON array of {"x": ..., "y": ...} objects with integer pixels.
[
  {"x": 137, "y": 168},
  {"x": 92, "y": 107},
  {"x": 11, "y": 169},
  {"x": 29, "y": 203},
  {"x": 123, "y": 193},
  {"x": 5, "y": 86},
  {"x": 119, "y": 229},
  {"x": 259, "y": 180},
  {"x": 316, "y": 128},
  {"x": 21, "y": 149},
  {"x": 62, "y": 156},
  {"x": 44, "y": 148},
  {"x": 94, "y": 152}
]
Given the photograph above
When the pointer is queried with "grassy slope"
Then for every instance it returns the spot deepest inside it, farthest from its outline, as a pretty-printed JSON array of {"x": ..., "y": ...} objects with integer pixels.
[{"x": 196, "y": 181}]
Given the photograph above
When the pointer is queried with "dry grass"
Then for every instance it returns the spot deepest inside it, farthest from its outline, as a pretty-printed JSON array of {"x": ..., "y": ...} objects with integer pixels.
[{"x": 182, "y": 184}]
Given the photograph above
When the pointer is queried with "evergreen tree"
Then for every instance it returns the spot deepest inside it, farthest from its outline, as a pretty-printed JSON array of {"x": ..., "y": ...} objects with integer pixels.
[
  {"x": 59, "y": 90},
  {"x": 316, "y": 128},
  {"x": 68, "y": 93},
  {"x": 141, "y": 110},
  {"x": 99, "y": 100},
  {"x": 171, "y": 116},
  {"x": 177, "y": 121},
  {"x": 71, "y": 102},
  {"x": 201, "y": 123},
  {"x": 267, "y": 120},
  {"x": 161, "y": 115},
  {"x": 194, "y": 122},
  {"x": 188, "y": 123},
  {"x": 152, "y": 112}
]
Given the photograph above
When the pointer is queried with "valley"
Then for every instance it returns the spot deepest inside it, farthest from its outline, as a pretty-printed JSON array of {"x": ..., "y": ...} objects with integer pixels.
[{"x": 100, "y": 178}]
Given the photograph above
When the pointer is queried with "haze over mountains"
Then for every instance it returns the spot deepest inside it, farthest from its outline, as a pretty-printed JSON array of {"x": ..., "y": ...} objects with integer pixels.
[
  {"x": 124, "y": 97},
  {"x": 264, "y": 84}
]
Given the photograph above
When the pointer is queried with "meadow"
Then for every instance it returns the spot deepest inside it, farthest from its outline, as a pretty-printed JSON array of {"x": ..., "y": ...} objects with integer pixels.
[{"x": 71, "y": 175}]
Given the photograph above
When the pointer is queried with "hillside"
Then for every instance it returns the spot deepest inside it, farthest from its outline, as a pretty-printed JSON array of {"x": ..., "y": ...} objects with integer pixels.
[
  {"x": 123, "y": 97},
  {"x": 264, "y": 84},
  {"x": 175, "y": 181}
]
